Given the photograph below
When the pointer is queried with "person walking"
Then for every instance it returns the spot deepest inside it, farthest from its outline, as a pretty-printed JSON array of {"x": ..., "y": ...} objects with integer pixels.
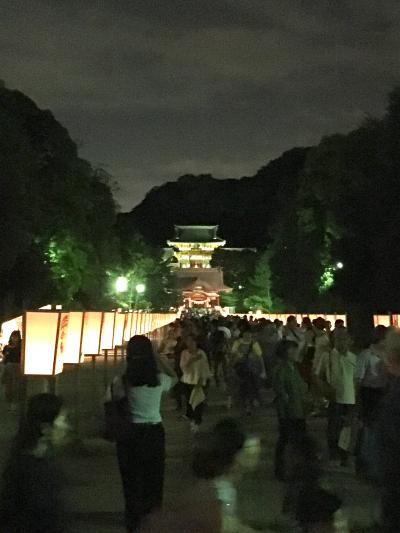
[
  {"x": 195, "y": 375},
  {"x": 31, "y": 485},
  {"x": 388, "y": 439},
  {"x": 219, "y": 352},
  {"x": 141, "y": 450},
  {"x": 341, "y": 371},
  {"x": 11, "y": 378},
  {"x": 291, "y": 393},
  {"x": 249, "y": 368},
  {"x": 372, "y": 380}
]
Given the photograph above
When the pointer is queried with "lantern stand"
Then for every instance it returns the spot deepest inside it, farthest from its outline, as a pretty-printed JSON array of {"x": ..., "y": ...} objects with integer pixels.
[{"x": 105, "y": 373}]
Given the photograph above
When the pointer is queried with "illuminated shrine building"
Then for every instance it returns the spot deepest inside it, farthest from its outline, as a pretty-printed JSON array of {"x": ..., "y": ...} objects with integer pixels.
[{"x": 193, "y": 248}]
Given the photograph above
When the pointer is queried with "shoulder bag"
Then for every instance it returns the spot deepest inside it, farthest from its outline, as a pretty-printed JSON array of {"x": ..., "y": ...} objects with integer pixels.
[{"x": 118, "y": 424}]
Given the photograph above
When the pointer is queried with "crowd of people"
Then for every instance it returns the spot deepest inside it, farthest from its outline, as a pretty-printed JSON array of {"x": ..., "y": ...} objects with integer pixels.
[{"x": 300, "y": 370}]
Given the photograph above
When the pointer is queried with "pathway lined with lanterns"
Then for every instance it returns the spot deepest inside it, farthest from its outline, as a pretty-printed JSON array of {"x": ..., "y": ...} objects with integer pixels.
[{"x": 93, "y": 491}]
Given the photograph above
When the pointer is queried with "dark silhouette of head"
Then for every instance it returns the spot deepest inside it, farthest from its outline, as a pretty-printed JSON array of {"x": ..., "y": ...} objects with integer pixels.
[
  {"x": 216, "y": 451},
  {"x": 141, "y": 366},
  {"x": 42, "y": 411}
]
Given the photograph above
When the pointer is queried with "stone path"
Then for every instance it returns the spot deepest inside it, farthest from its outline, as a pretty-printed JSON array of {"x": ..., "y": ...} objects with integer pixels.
[{"x": 93, "y": 492}]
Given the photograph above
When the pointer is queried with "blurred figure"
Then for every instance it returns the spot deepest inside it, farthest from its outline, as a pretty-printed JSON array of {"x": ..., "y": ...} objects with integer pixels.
[
  {"x": 339, "y": 326},
  {"x": 168, "y": 344},
  {"x": 322, "y": 391},
  {"x": 319, "y": 512},
  {"x": 372, "y": 381},
  {"x": 210, "y": 507},
  {"x": 291, "y": 395},
  {"x": 141, "y": 450},
  {"x": 307, "y": 357},
  {"x": 11, "y": 378},
  {"x": 371, "y": 375},
  {"x": 195, "y": 375},
  {"x": 249, "y": 369},
  {"x": 342, "y": 366},
  {"x": 178, "y": 390},
  {"x": 219, "y": 353},
  {"x": 292, "y": 332},
  {"x": 388, "y": 439},
  {"x": 218, "y": 461},
  {"x": 31, "y": 501}
]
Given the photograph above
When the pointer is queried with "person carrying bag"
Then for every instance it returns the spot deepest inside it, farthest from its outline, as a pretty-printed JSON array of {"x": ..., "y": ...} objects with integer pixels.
[{"x": 133, "y": 421}]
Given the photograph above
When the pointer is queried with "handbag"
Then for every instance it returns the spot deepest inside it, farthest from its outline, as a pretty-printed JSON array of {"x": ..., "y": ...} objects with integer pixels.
[{"x": 118, "y": 424}]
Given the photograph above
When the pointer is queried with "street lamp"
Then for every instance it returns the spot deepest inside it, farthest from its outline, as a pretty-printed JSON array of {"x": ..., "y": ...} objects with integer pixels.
[
  {"x": 121, "y": 284},
  {"x": 339, "y": 265},
  {"x": 140, "y": 289}
]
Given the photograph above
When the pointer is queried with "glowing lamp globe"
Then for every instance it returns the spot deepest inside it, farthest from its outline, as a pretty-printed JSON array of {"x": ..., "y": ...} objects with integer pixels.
[
  {"x": 121, "y": 285},
  {"x": 140, "y": 288}
]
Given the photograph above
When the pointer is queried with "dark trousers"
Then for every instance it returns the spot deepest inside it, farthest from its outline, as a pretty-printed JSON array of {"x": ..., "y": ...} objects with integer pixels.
[
  {"x": 196, "y": 415},
  {"x": 370, "y": 399},
  {"x": 220, "y": 362},
  {"x": 289, "y": 430},
  {"x": 249, "y": 389},
  {"x": 337, "y": 414},
  {"x": 178, "y": 393},
  {"x": 141, "y": 459}
]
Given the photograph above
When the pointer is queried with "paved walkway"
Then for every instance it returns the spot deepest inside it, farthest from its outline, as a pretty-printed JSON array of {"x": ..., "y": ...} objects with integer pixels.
[{"x": 93, "y": 491}]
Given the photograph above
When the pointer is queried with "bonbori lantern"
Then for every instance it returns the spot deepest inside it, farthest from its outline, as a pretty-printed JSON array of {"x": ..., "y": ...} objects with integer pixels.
[
  {"x": 92, "y": 321},
  {"x": 128, "y": 326},
  {"x": 134, "y": 323},
  {"x": 40, "y": 354},
  {"x": 119, "y": 329},
  {"x": 107, "y": 331},
  {"x": 382, "y": 320},
  {"x": 70, "y": 337}
]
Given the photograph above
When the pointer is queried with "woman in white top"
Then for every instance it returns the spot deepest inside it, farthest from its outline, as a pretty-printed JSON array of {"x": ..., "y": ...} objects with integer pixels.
[
  {"x": 141, "y": 454},
  {"x": 195, "y": 374}
]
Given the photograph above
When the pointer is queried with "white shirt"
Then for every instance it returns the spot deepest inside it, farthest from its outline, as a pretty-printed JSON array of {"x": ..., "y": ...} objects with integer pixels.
[
  {"x": 370, "y": 369},
  {"x": 226, "y": 332},
  {"x": 144, "y": 401},
  {"x": 195, "y": 372},
  {"x": 342, "y": 374},
  {"x": 321, "y": 356}
]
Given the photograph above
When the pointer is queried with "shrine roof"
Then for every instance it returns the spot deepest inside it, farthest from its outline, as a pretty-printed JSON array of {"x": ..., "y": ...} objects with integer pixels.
[
  {"x": 209, "y": 279},
  {"x": 196, "y": 234}
]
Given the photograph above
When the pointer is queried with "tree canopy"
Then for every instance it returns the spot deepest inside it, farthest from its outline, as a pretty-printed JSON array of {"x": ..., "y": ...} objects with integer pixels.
[{"x": 306, "y": 212}]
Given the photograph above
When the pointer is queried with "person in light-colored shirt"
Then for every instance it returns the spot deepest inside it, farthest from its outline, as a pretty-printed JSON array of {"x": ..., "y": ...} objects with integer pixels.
[
  {"x": 141, "y": 450},
  {"x": 342, "y": 364},
  {"x": 292, "y": 332},
  {"x": 195, "y": 375}
]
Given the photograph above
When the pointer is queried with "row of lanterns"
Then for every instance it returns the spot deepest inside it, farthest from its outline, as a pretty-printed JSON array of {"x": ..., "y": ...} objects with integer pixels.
[{"x": 51, "y": 339}]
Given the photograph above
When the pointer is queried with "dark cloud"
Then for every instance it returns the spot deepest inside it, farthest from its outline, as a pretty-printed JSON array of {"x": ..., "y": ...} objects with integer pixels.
[{"x": 153, "y": 89}]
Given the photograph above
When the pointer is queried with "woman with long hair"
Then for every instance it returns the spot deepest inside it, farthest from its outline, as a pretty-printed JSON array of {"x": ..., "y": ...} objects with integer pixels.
[
  {"x": 11, "y": 378},
  {"x": 141, "y": 451},
  {"x": 30, "y": 498}
]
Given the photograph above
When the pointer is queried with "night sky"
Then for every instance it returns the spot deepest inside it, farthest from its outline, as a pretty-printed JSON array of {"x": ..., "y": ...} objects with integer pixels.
[{"x": 155, "y": 89}]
